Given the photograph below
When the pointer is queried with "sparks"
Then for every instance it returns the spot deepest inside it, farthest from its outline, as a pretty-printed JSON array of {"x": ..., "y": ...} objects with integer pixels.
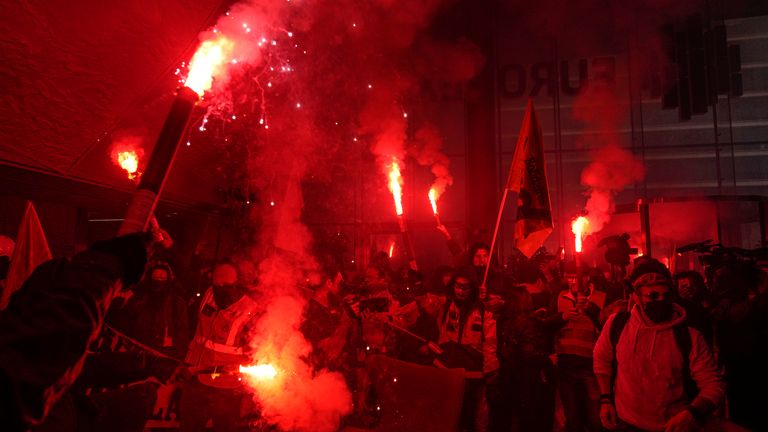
[
  {"x": 396, "y": 186},
  {"x": 391, "y": 249},
  {"x": 580, "y": 227},
  {"x": 262, "y": 371},
  {"x": 207, "y": 62}
]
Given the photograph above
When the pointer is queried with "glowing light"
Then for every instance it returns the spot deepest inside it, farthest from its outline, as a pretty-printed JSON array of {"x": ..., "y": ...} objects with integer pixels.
[
  {"x": 262, "y": 371},
  {"x": 298, "y": 105},
  {"x": 129, "y": 161},
  {"x": 207, "y": 62},
  {"x": 433, "y": 199},
  {"x": 272, "y": 203},
  {"x": 579, "y": 228},
  {"x": 370, "y": 86},
  {"x": 391, "y": 249},
  {"x": 396, "y": 186},
  {"x": 405, "y": 115}
]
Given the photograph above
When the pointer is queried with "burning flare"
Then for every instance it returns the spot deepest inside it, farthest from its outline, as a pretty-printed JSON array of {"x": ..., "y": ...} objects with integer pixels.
[
  {"x": 262, "y": 371},
  {"x": 129, "y": 161},
  {"x": 579, "y": 227},
  {"x": 209, "y": 60},
  {"x": 391, "y": 249},
  {"x": 433, "y": 199},
  {"x": 396, "y": 186}
]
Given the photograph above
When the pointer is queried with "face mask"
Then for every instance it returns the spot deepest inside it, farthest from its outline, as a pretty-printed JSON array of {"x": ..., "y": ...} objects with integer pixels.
[
  {"x": 157, "y": 286},
  {"x": 221, "y": 293},
  {"x": 659, "y": 311}
]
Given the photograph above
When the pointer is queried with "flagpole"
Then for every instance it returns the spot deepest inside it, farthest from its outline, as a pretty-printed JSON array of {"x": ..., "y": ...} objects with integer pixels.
[{"x": 483, "y": 288}]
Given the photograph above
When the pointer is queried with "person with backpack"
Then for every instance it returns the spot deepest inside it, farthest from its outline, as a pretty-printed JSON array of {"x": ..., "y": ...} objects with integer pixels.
[{"x": 655, "y": 373}]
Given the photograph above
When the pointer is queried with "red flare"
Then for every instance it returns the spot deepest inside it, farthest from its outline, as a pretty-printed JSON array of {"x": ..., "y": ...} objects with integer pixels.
[
  {"x": 580, "y": 227},
  {"x": 396, "y": 186},
  {"x": 209, "y": 59},
  {"x": 433, "y": 199},
  {"x": 261, "y": 371}
]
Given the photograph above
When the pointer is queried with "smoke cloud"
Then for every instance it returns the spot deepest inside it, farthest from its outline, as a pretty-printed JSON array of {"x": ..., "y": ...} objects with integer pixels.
[
  {"x": 427, "y": 150},
  {"x": 612, "y": 167},
  {"x": 311, "y": 83}
]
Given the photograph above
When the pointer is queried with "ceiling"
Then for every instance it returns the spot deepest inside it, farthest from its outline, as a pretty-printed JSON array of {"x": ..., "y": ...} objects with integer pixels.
[{"x": 76, "y": 76}]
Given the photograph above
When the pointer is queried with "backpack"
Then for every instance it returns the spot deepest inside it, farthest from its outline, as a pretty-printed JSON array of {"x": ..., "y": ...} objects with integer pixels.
[{"x": 682, "y": 339}]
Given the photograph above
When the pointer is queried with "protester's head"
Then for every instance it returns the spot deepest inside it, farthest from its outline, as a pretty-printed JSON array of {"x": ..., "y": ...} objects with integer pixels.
[
  {"x": 226, "y": 284},
  {"x": 550, "y": 266},
  {"x": 224, "y": 274},
  {"x": 325, "y": 281},
  {"x": 529, "y": 274},
  {"x": 596, "y": 280},
  {"x": 572, "y": 273},
  {"x": 479, "y": 253},
  {"x": 736, "y": 281},
  {"x": 160, "y": 277},
  {"x": 690, "y": 286},
  {"x": 374, "y": 275},
  {"x": 652, "y": 287},
  {"x": 463, "y": 286}
]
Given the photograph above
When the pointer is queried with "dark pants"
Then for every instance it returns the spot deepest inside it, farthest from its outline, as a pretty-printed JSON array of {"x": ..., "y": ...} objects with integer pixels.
[
  {"x": 474, "y": 410},
  {"x": 200, "y": 403},
  {"x": 579, "y": 393},
  {"x": 527, "y": 397},
  {"x": 744, "y": 382}
]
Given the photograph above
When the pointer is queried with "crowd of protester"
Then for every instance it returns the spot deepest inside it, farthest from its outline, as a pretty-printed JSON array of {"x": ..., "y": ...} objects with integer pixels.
[{"x": 545, "y": 345}]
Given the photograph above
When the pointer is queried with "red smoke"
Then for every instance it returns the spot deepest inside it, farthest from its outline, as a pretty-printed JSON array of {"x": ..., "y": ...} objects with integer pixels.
[
  {"x": 612, "y": 166},
  {"x": 427, "y": 150},
  {"x": 309, "y": 83}
]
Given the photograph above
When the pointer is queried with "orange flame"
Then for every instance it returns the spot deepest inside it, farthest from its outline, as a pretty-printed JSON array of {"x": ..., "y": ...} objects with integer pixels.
[
  {"x": 396, "y": 186},
  {"x": 579, "y": 227},
  {"x": 129, "y": 161},
  {"x": 209, "y": 59},
  {"x": 261, "y": 371},
  {"x": 433, "y": 199}
]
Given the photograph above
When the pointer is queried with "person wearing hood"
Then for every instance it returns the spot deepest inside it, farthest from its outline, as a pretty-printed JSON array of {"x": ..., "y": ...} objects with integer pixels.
[
  {"x": 156, "y": 315},
  {"x": 219, "y": 346},
  {"x": 647, "y": 382}
]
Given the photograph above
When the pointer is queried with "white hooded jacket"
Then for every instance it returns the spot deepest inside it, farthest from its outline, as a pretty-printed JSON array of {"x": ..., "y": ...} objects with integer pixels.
[{"x": 649, "y": 381}]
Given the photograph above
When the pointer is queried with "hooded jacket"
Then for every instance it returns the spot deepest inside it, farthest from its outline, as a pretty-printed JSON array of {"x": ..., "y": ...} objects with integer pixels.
[
  {"x": 479, "y": 332},
  {"x": 649, "y": 389}
]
